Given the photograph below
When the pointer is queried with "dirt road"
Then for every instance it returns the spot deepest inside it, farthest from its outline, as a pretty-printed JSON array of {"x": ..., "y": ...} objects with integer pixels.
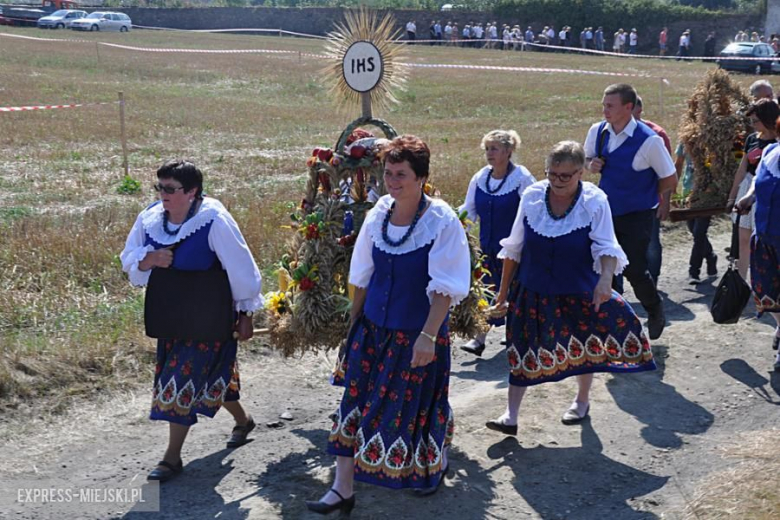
[{"x": 653, "y": 438}]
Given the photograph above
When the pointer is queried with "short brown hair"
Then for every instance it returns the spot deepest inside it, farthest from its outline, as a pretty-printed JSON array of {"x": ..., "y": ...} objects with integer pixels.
[
  {"x": 408, "y": 148},
  {"x": 626, "y": 92},
  {"x": 566, "y": 152},
  {"x": 766, "y": 111}
]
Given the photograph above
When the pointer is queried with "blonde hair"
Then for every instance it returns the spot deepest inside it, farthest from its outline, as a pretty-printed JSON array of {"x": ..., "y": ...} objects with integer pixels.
[
  {"x": 508, "y": 138},
  {"x": 566, "y": 152}
]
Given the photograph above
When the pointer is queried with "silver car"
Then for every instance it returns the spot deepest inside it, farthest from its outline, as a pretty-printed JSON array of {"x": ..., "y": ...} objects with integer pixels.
[
  {"x": 103, "y": 21},
  {"x": 60, "y": 19}
]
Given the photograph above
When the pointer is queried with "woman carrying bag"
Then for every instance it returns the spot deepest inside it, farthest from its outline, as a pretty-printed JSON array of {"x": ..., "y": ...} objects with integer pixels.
[{"x": 203, "y": 286}]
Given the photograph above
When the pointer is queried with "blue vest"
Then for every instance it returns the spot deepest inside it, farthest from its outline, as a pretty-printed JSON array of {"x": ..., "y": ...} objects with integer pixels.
[
  {"x": 496, "y": 216},
  {"x": 627, "y": 189},
  {"x": 396, "y": 297},
  {"x": 767, "y": 197},
  {"x": 193, "y": 253},
  {"x": 560, "y": 265}
]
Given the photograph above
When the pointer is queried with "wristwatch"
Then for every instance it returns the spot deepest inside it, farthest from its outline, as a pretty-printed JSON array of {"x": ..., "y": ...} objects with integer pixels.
[
  {"x": 429, "y": 336},
  {"x": 248, "y": 314}
]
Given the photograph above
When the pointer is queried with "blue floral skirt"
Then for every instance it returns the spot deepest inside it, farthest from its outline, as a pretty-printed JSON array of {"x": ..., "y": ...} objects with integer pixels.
[
  {"x": 495, "y": 267},
  {"x": 550, "y": 338},
  {"x": 765, "y": 272},
  {"x": 395, "y": 421},
  {"x": 193, "y": 377}
]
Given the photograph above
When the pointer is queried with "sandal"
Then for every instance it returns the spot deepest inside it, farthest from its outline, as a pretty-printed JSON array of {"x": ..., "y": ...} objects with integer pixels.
[
  {"x": 166, "y": 473},
  {"x": 775, "y": 343},
  {"x": 240, "y": 432}
]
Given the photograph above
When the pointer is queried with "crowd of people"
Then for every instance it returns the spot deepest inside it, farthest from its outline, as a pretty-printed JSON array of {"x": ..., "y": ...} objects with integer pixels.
[
  {"x": 555, "y": 251},
  {"x": 492, "y": 35}
]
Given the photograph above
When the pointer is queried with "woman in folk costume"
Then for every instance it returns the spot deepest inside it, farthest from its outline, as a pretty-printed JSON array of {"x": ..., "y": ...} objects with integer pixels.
[
  {"x": 410, "y": 265},
  {"x": 765, "y": 242},
  {"x": 186, "y": 232},
  {"x": 563, "y": 317},
  {"x": 493, "y": 196}
]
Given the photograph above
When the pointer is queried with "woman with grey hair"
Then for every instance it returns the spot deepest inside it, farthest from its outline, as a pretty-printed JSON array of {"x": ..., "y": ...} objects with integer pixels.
[
  {"x": 761, "y": 89},
  {"x": 492, "y": 197},
  {"x": 564, "y": 319}
]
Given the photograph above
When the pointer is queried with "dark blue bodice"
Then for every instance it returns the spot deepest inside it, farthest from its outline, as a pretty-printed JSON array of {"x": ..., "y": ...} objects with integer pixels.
[
  {"x": 560, "y": 265},
  {"x": 767, "y": 197},
  {"x": 396, "y": 297},
  {"x": 496, "y": 216},
  {"x": 193, "y": 253},
  {"x": 627, "y": 189}
]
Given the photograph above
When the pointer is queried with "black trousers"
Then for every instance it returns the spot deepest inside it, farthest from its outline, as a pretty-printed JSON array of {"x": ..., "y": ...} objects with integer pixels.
[
  {"x": 702, "y": 248},
  {"x": 634, "y": 232}
]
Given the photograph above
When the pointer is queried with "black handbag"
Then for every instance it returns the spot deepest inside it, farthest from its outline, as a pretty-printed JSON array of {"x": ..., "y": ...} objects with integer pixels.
[
  {"x": 189, "y": 305},
  {"x": 733, "y": 292}
]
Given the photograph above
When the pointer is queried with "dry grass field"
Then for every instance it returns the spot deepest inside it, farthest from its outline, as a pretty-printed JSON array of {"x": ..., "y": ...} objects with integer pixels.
[{"x": 69, "y": 322}]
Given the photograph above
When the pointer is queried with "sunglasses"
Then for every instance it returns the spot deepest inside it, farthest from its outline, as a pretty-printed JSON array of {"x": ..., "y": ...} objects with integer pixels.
[
  {"x": 563, "y": 177},
  {"x": 170, "y": 190}
]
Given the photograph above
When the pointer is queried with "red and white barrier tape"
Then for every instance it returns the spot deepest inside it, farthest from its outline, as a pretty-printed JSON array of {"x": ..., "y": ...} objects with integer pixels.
[
  {"x": 237, "y": 30},
  {"x": 50, "y": 107},
  {"x": 522, "y": 69}
]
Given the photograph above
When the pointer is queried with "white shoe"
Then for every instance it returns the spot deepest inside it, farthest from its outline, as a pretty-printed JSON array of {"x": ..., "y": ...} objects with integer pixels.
[{"x": 576, "y": 413}]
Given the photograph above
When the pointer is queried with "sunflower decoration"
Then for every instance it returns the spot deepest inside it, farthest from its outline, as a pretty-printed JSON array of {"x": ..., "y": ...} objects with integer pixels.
[{"x": 364, "y": 25}]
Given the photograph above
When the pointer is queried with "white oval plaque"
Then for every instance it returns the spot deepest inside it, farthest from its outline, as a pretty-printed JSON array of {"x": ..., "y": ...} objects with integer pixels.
[{"x": 362, "y": 66}]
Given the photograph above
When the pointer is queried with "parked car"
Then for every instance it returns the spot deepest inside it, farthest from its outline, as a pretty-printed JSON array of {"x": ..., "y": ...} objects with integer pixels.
[
  {"x": 103, "y": 21},
  {"x": 60, "y": 19},
  {"x": 747, "y": 50}
]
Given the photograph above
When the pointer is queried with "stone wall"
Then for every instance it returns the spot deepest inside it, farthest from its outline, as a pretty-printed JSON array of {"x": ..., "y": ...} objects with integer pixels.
[{"x": 321, "y": 20}]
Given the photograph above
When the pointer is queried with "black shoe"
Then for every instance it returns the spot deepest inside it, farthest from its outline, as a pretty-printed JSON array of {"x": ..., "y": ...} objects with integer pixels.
[
  {"x": 345, "y": 505},
  {"x": 506, "y": 429},
  {"x": 426, "y": 492},
  {"x": 474, "y": 347},
  {"x": 693, "y": 279},
  {"x": 656, "y": 321},
  {"x": 240, "y": 433},
  {"x": 712, "y": 265},
  {"x": 167, "y": 472},
  {"x": 775, "y": 342},
  {"x": 777, "y": 366}
]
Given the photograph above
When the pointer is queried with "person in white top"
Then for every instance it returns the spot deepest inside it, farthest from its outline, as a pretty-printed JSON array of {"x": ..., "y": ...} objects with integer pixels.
[
  {"x": 636, "y": 169},
  {"x": 551, "y": 35},
  {"x": 633, "y": 40},
  {"x": 685, "y": 44},
  {"x": 411, "y": 30},
  {"x": 493, "y": 194},
  {"x": 196, "y": 375}
]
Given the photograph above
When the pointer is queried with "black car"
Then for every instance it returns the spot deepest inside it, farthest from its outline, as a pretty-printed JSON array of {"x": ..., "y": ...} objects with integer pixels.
[{"x": 747, "y": 50}]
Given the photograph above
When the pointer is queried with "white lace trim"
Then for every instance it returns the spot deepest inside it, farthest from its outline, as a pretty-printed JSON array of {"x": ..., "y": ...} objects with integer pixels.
[
  {"x": 581, "y": 215},
  {"x": 517, "y": 177},
  {"x": 440, "y": 288},
  {"x": 152, "y": 220},
  {"x": 430, "y": 225},
  {"x": 771, "y": 159},
  {"x": 505, "y": 253}
]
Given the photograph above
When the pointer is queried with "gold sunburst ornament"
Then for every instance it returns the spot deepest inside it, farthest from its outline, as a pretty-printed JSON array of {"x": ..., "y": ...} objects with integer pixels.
[{"x": 364, "y": 67}]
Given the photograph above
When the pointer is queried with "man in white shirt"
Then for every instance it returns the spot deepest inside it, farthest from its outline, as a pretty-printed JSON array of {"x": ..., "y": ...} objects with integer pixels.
[
  {"x": 448, "y": 32},
  {"x": 477, "y": 33},
  {"x": 411, "y": 30},
  {"x": 589, "y": 38},
  {"x": 633, "y": 40},
  {"x": 551, "y": 35},
  {"x": 636, "y": 169},
  {"x": 562, "y": 37}
]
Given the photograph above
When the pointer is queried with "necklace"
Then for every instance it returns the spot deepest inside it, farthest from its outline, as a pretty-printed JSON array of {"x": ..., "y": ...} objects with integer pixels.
[
  {"x": 509, "y": 168},
  {"x": 569, "y": 209},
  {"x": 190, "y": 213},
  {"x": 386, "y": 221}
]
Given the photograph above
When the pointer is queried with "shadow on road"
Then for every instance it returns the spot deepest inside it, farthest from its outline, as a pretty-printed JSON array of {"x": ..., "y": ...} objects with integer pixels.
[
  {"x": 577, "y": 482},
  {"x": 658, "y": 405},
  {"x": 745, "y": 374},
  {"x": 196, "y": 490},
  {"x": 298, "y": 477}
]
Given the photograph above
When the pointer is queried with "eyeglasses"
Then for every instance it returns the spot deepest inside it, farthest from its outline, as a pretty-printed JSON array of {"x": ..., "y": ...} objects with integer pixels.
[
  {"x": 170, "y": 190},
  {"x": 563, "y": 177}
]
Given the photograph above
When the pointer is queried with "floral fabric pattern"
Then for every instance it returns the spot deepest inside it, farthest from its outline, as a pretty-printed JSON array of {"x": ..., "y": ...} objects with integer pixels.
[
  {"x": 395, "y": 421},
  {"x": 765, "y": 272},
  {"x": 550, "y": 338},
  {"x": 193, "y": 378}
]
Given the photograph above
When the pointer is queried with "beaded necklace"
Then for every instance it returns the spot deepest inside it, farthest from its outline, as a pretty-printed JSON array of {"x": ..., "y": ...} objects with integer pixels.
[
  {"x": 190, "y": 213},
  {"x": 509, "y": 169},
  {"x": 386, "y": 221},
  {"x": 569, "y": 209}
]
